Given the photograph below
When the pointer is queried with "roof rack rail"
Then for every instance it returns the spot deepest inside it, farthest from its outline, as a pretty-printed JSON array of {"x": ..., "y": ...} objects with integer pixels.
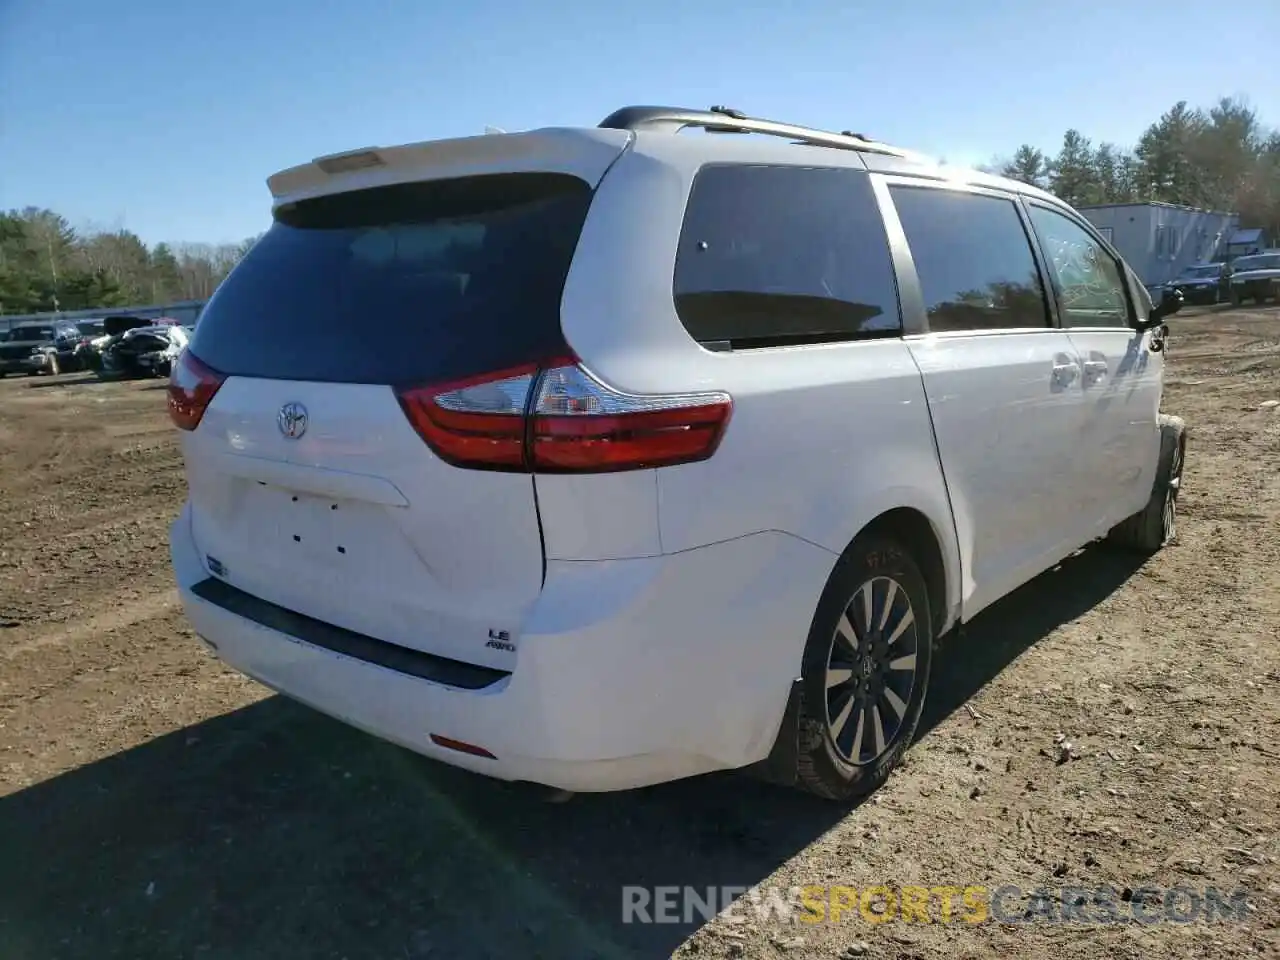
[{"x": 727, "y": 120}]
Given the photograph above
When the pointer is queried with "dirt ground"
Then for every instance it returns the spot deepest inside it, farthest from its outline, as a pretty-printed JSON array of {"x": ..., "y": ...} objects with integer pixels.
[{"x": 155, "y": 804}]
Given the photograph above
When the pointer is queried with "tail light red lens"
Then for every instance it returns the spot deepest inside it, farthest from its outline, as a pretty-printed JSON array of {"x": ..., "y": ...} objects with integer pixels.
[
  {"x": 558, "y": 418},
  {"x": 192, "y": 386},
  {"x": 478, "y": 422}
]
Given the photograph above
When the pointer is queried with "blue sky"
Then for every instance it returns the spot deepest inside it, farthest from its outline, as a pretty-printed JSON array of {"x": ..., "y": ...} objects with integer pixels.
[{"x": 166, "y": 117}]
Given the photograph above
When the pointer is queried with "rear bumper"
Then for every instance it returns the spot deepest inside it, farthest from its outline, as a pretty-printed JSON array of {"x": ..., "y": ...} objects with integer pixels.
[{"x": 629, "y": 672}]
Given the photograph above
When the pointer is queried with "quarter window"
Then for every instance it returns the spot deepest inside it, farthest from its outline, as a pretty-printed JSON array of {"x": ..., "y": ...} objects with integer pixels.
[
  {"x": 1089, "y": 283},
  {"x": 779, "y": 255},
  {"x": 975, "y": 263}
]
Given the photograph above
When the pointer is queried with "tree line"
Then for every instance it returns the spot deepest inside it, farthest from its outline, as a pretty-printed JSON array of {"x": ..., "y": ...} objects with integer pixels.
[
  {"x": 1220, "y": 158},
  {"x": 46, "y": 264}
]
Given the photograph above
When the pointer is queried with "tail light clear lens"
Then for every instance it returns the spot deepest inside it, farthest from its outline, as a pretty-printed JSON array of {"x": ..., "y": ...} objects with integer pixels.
[
  {"x": 558, "y": 418},
  {"x": 582, "y": 425},
  {"x": 192, "y": 386}
]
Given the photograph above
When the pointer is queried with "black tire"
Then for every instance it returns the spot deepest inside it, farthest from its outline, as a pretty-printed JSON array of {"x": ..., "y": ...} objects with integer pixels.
[
  {"x": 1155, "y": 525},
  {"x": 827, "y": 726}
]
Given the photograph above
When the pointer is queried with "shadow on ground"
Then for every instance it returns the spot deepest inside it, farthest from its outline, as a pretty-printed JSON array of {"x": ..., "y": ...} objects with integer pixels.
[
  {"x": 275, "y": 832},
  {"x": 78, "y": 379},
  {"x": 84, "y": 379},
  {"x": 964, "y": 665}
]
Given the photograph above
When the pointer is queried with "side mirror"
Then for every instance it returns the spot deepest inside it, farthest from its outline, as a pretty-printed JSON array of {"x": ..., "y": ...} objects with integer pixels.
[{"x": 1171, "y": 301}]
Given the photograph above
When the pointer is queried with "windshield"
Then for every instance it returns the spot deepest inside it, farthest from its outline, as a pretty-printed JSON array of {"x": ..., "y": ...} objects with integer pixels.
[
  {"x": 89, "y": 326},
  {"x": 1207, "y": 270},
  {"x": 28, "y": 333},
  {"x": 1267, "y": 261}
]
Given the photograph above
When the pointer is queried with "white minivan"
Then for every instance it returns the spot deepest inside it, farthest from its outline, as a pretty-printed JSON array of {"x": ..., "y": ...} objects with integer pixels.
[{"x": 602, "y": 457}]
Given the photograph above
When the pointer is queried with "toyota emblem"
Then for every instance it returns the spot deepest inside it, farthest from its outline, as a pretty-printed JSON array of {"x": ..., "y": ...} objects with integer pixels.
[{"x": 292, "y": 420}]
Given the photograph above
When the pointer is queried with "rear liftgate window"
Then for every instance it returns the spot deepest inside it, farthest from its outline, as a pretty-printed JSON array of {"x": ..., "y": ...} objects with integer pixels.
[
  {"x": 779, "y": 255},
  {"x": 418, "y": 282}
]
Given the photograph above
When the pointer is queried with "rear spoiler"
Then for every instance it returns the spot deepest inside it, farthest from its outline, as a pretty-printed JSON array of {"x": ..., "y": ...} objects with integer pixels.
[{"x": 586, "y": 153}]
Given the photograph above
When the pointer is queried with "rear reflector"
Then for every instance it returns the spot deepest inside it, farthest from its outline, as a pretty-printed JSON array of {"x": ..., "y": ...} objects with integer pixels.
[
  {"x": 469, "y": 748},
  {"x": 558, "y": 418},
  {"x": 192, "y": 385}
]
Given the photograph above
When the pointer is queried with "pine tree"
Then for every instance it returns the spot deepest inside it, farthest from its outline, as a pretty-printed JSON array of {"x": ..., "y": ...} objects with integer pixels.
[
  {"x": 1074, "y": 178},
  {"x": 1167, "y": 153},
  {"x": 1028, "y": 165}
]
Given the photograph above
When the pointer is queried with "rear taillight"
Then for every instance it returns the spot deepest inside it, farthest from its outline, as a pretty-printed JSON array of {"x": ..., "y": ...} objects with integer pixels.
[
  {"x": 477, "y": 422},
  {"x": 191, "y": 389},
  {"x": 581, "y": 425},
  {"x": 558, "y": 418}
]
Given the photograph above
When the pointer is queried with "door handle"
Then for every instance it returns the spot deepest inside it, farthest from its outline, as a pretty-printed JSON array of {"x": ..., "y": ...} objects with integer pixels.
[
  {"x": 1095, "y": 370},
  {"x": 1065, "y": 373}
]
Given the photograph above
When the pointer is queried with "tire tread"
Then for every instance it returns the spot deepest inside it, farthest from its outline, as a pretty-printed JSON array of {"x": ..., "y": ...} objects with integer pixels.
[{"x": 1144, "y": 531}]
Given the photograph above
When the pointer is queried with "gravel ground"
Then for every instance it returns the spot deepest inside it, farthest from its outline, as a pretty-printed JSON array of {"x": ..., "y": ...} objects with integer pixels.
[{"x": 1110, "y": 725}]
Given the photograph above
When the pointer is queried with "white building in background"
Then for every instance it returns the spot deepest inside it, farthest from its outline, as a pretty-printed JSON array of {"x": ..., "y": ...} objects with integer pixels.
[{"x": 1159, "y": 240}]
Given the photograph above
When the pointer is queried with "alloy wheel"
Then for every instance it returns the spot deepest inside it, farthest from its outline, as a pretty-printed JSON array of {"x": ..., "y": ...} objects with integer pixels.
[{"x": 871, "y": 670}]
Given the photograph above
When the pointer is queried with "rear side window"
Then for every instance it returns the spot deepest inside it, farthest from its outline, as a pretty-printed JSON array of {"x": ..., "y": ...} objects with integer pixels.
[
  {"x": 413, "y": 283},
  {"x": 771, "y": 256},
  {"x": 973, "y": 258}
]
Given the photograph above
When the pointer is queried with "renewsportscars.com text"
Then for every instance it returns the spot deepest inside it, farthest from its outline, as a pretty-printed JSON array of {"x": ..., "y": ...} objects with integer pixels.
[{"x": 968, "y": 904}]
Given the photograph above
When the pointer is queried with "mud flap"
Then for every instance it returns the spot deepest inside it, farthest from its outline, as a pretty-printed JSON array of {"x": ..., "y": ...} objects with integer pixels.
[{"x": 780, "y": 765}]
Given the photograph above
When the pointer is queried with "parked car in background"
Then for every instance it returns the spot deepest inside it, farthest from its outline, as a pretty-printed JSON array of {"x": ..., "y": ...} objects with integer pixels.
[
  {"x": 91, "y": 332},
  {"x": 39, "y": 347},
  {"x": 1203, "y": 283},
  {"x": 1256, "y": 277},
  {"x": 90, "y": 329},
  {"x": 144, "y": 351},
  {"x": 695, "y": 446},
  {"x": 113, "y": 328}
]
